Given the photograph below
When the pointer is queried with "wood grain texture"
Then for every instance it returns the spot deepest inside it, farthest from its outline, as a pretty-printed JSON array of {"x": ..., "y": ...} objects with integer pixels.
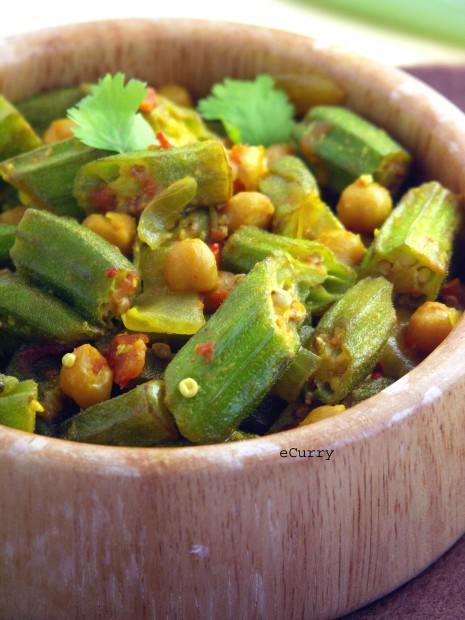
[{"x": 238, "y": 531}]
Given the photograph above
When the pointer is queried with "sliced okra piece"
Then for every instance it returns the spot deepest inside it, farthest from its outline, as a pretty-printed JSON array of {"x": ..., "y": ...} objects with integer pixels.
[
  {"x": 350, "y": 337},
  {"x": 158, "y": 309},
  {"x": 299, "y": 209},
  {"x": 221, "y": 374},
  {"x": 328, "y": 277},
  {"x": 309, "y": 89},
  {"x": 18, "y": 403},
  {"x": 340, "y": 146},
  {"x": 159, "y": 218},
  {"x": 179, "y": 124},
  {"x": 136, "y": 418},
  {"x": 128, "y": 182},
  {"x": 16, "y": 135},
  {"x": 45, "y": 176},
  {"x": 75, "y": 264},
  {"x": 40, "y": 110},
  {"x": 367, "y": 389},
  {"x": 291, "y": 384},
  {"x": 7, "y": 239},
  {"x": 26, "y": 310},
  {"x": 414, "y": 245}
]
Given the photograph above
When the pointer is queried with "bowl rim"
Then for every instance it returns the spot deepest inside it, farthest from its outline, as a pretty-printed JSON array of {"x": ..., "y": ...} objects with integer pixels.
[{"x": 372, "y": 416}]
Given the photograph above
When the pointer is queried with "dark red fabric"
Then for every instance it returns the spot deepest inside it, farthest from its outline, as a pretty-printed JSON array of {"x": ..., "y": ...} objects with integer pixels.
[{"x": 439, "y": 592}]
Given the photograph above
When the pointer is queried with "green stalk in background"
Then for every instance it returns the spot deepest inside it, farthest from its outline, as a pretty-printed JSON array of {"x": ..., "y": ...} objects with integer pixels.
[{"x": 438, "y": 19}]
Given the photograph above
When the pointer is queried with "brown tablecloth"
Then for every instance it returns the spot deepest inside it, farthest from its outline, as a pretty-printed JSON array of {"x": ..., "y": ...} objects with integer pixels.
[{"x": 439, "y": 592}]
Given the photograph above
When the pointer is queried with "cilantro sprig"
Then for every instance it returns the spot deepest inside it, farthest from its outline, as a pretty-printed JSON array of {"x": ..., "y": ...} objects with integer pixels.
[
  {"x": 252, "y": 112},
  {"x": 108, "y": 119}
]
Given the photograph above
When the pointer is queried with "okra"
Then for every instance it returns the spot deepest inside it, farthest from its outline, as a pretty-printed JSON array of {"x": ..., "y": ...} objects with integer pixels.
[
  {"x": 40, "y": 110},
  {"x": 159, "y": 218},
  {"x": 18, "y": 403},
  {"x": 350, "y": 337},
  {"x": 7, "y": 238},
  {"x": 367, "y": 389},
  {"x": 45, "y": 176},
  {"x": 179, "y": 124},
  {"x": 30, "y": 312},
  {"x": 309, "y": 89},
  {"x": 341, "y": 146},
  {"x": 135, "y": 418},
  {"x": 16, "y": 135},
  {"x": 158, "y": 309},
  {"x": 221, "y": 374},
  {"x": 75, "y": 264},
  {"x": 129, "y": 182},
  {"x": 292, "y": 383},
  {"x": 326, "y": 276},
  {"x": 414, "y": 245},
  {"x": 299, "y": 210}
]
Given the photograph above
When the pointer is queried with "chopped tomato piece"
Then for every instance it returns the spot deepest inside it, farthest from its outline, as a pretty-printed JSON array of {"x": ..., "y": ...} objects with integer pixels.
[{"x": 126, "y": 357}]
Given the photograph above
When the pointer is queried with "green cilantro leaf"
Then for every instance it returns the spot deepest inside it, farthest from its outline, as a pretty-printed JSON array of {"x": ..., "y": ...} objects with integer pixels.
[
  {"x": 252, "y": 112},
  {"x": 108, "y": 119}
]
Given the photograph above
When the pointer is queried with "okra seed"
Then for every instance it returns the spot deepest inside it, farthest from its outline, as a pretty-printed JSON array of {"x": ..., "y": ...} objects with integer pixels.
[
  {"x": 424, "y": 274},
  {"x": 188, "y": 387},
  {"x": 68, "y": 360},
  {"x": 384, "y": 267}
]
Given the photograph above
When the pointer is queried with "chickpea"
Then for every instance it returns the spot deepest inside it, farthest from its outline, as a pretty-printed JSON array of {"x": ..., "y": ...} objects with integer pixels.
[
  {"x": 321, "y": 413},
  {"x": 347, "y": 246},
  {"x": 429, "y": 325},
  {"x": 117, "y": 228},
  {"x": 85, "y": 376},
  {"x": 248, "y": 209},
  {"x": 177, "y": 94},
  {"x": 364, "y": 205},
  {"x": 12, "y": 216},
  {"x": 190, "y": 266},
  {"x": 59, "y": 130}
]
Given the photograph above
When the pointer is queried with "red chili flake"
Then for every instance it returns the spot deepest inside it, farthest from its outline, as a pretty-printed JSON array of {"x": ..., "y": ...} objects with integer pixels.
[
  {"x": 377, "y": 372},
  {"x": 104, "y": 199},
  {"x": 214, "y": 299},
  {"x": 239, "y": 186},
  {"x": 111, "y": 273},
  {"x": 206, "y": 349},
  {"x": 165, "y": 143},
  {"x": 150, "y": 101},
  {"x": 216, "y": 250}
]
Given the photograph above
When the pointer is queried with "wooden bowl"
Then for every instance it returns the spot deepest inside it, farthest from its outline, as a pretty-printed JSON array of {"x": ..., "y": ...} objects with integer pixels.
[{"x": 240, "y": 530}]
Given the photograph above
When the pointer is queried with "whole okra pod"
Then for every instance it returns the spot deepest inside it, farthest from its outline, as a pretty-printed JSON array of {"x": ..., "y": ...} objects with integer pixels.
[
  {"x": 128, "y": 182},
  {"x": 136, "y": 418},
  {"x": 75, "y": 264},
  {"x": 414, "y": 245},
  {"x": 340, "y": 146},
  {"x": 28, "y": 311},
  {"x": 224, "y": 371},
  {"x": 350, "y": 337}
]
